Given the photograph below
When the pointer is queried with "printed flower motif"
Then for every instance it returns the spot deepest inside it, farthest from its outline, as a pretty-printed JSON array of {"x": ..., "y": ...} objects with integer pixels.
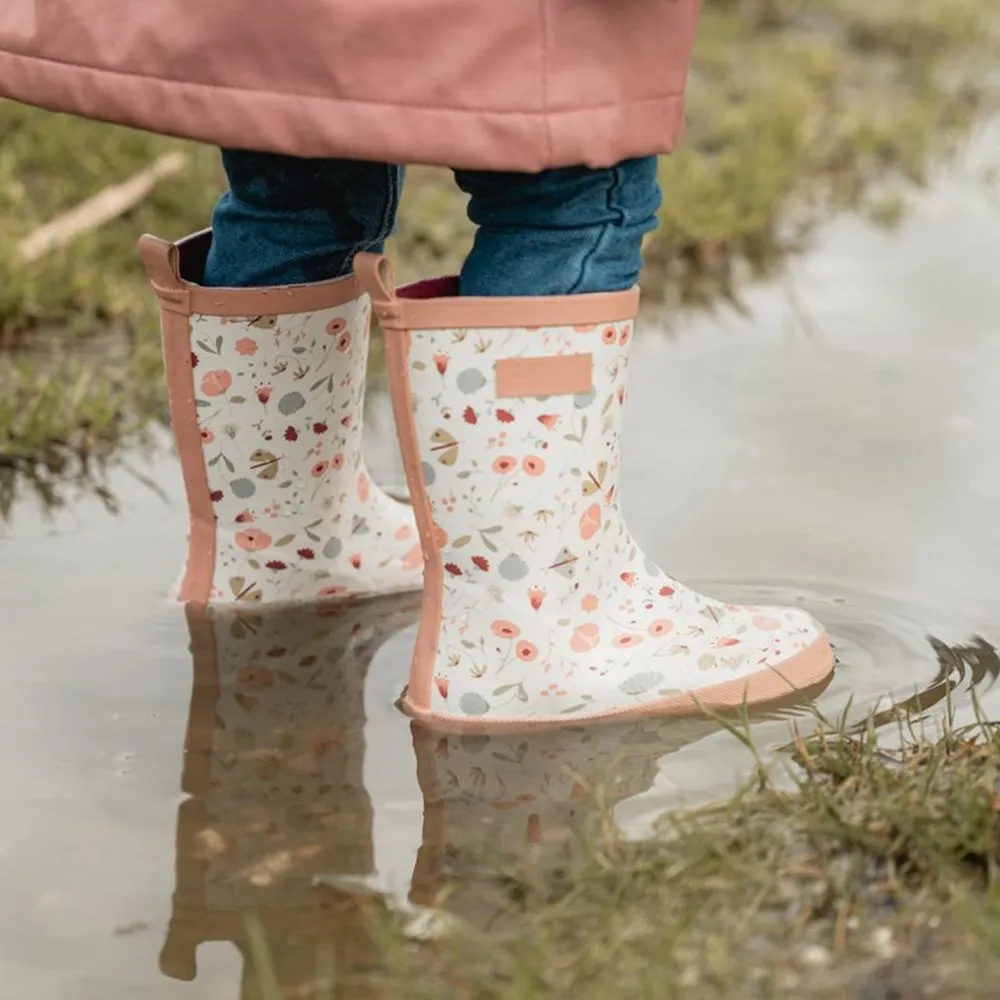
[
  {"x": 504, "y": 629},
  {"x": 590, "y": 521},
  {"x": 245, "y": 517},
  {"x": 194, "y": 360},
  {"x": 661, "y": 627},
  {"x": 549, "y": 420},
  {"x": 535, "y": 597},
  {"x": 505, "y": 416},
  {"x": 624, "y": 335},
  {"x": 276, "y": 564},
  {"x": 337, "y": 462},
  {"x": 504, "y": 464},
  {"x": 526, "y": 651},
  {"x": 319, "y": 469},
  {"x": 264, "y": 393},
  {"x": 364, "y": 488},
  {"x": 481, "y": 563},
  {"x": 215, "y": 496},
  {"x": 256, "y": 677},
  {"x": 609, "y": 336},
  {"x": 343, "y": 343},
  {"x": 441, "y": 362},
  {"x": 624, "y": 641},
  {"x": 246, "y": 347},
  {"x": 453, "y": 569},
  {"x": 628, "y": 578},
  {"x": 469, "y": 415},
  {"x": 585, "y": 638},
  {"x": 319, "y": 427},
  {"x": 533, "y": 465},
  {"x": 356, "y": 560},
  {"x": 216, "y": 382},
  {"x": 441, "y": 683},
  {"x": 253, "y": 540},
  {"x": 590, "y": 602},
  {"x": 666, "y": 591},
  {"x": 291, "y": 434},
  {"x": 766, "y": 623},
  {"x": 336, "y": 590},
  {"x": 207, "y": 437},
  {"x": 724, "y": 641},
  {"x": 336, "y": 326},
  {"x": 305, "y": 553}
]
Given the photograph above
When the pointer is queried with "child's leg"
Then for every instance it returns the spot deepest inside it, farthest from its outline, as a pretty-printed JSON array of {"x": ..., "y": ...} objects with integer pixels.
[
  {"x": 559, "y": 232},
  {"x": 286, "y": 220}
]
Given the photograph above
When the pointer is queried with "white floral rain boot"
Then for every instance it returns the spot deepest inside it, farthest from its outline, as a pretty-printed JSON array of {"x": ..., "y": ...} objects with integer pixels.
[
  {"x": 274, "y": 773},
  {"x": 266, "y": 391},
  {"x": 540, "y": 608}
]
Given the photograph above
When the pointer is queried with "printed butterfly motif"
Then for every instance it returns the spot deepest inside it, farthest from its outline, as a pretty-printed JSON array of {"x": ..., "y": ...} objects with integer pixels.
[
  {"x": 264, "y": 463},
  {"x": 445, "y": 446},
  {"x": 242, "y": 591},
  {"x": 594, "y": 481},
  {"x": 565, "y": 564}
]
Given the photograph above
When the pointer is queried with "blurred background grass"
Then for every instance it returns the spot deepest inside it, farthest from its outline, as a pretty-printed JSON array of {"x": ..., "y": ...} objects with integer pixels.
[{"x": 797, "y": 108}]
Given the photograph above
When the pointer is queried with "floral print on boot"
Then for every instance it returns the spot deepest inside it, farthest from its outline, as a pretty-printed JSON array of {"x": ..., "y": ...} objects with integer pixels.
[
  {"x": 266, "y": 392},
  {"x": 540, "y": 607}
]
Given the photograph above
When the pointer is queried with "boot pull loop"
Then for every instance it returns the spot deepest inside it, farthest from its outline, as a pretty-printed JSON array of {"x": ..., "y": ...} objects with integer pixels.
[
  {"x": 163, "y": 266},
  {"x": 377, "y": 277}
]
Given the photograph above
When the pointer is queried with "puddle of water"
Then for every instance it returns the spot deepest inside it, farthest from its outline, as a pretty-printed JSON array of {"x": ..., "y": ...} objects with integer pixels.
[{"x": 170, "y": 776}]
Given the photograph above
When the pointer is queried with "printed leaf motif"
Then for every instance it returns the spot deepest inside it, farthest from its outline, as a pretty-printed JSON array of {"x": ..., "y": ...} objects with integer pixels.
[
  {"x": 284, "y": 540},
  {"x": 237, "y": 399},
  {"x": 461, "y": 542}
]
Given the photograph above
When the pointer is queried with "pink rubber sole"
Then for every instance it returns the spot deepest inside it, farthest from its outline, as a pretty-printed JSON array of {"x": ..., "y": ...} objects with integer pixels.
[{"x": 799, "y": 677}]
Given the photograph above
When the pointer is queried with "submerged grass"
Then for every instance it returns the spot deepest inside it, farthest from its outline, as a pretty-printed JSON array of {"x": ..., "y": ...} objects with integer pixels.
[
  {"x": 874, "y": 876},
  {"x": 797, "y": 107}
]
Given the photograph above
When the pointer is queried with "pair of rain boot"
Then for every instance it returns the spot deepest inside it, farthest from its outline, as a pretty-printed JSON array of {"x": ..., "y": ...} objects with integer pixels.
[{"x": 539, "y": 608}]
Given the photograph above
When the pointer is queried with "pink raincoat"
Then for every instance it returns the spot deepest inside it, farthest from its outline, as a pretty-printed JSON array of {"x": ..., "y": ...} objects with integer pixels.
[{"x": 489, "y": 84}]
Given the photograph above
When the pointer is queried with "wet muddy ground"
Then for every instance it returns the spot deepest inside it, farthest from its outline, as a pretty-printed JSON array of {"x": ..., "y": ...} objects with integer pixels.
[{"x": 835, "y": 446}]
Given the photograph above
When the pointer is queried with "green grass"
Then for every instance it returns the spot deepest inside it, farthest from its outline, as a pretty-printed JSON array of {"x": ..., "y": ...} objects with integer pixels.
[
  {"x": 797, "y": 108},
  {"x": 849, "y": 871}
]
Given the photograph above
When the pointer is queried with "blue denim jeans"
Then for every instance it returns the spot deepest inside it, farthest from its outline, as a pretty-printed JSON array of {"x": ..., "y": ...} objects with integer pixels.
[{"x": 571, "y": 230}]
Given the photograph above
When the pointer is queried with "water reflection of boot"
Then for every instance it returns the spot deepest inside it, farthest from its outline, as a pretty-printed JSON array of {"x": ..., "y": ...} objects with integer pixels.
[
  {"x": 274, "y": 770},
  {"x": 532, "y": 805},
  {"x": 527, "y": 805}
]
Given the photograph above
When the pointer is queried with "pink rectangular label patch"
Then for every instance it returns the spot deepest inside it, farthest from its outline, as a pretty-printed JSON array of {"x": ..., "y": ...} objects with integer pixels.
[{"x": 559, "y": 375}]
